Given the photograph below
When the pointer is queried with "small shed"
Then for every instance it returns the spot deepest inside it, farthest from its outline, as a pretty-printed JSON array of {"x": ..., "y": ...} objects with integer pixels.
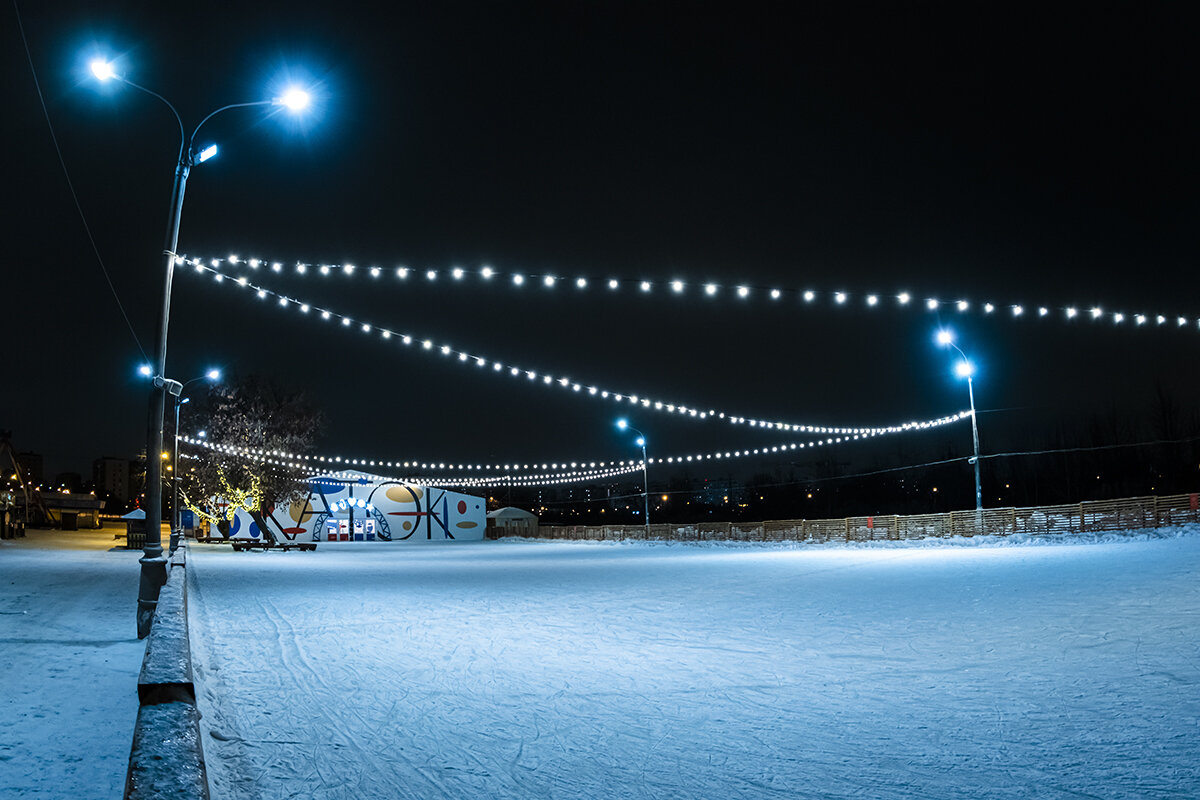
[
  {"x": 71, "y": 511},
  {"x": 510, "y": 521},
  {"x": 135, "y": 529}
]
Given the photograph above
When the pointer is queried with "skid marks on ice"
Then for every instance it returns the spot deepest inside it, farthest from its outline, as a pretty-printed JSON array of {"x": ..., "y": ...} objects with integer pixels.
[{"x": 355, "y": 752}]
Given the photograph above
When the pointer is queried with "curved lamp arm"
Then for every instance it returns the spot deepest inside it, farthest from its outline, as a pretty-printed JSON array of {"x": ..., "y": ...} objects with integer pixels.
[{"x": 182, "y": 143}]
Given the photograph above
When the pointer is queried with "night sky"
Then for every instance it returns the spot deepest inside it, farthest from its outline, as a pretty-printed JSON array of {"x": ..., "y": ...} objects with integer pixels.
[{"x": 1010, "y": 153}]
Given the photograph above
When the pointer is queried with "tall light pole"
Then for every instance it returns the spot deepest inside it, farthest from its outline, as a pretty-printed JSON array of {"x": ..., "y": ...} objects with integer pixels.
[
  {"x": 965, "y": 369},
  {"x": 641, "y": 441},
  {"x": 154, "y": 563},
  {"x": 212, "y": 375}
]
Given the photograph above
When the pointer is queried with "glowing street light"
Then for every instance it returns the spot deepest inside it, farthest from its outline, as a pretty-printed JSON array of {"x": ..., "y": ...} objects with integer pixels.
[
  {"x": 623, "y": 424},
  {"x": 154, "y": 563},
  {"x": 965, "y": 369},
  {"x": 295, "y": 99},
  {"x": 212, "y": 375},
  {"x": 103, "y": 70}
]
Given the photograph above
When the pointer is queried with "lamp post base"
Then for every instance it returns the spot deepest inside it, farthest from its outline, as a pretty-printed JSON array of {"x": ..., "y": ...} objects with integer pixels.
[{"x": 154, "y": 575}]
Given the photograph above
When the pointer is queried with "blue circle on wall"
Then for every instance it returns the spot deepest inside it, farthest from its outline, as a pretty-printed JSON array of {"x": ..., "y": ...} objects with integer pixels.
[
  {"x": 234, "y": 525},
  {"x": 254, "y": 531}
]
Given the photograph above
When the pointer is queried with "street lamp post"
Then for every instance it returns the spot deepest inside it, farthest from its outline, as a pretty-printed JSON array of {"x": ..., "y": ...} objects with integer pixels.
[
  {"x": 212, "y": 375},
  {"x": 641, "y": 440},
  {"x": 154, "y": 563},
  {"x": 965, "y": 369}
]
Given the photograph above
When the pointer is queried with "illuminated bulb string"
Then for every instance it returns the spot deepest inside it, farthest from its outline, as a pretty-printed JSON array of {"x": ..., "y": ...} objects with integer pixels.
[
  {"x": 544, "y": 473},
  {"x": 710, "y": 290},
  {"x": 543, "y": 379},
  {"x": 548, "y": 479},
  {"x": 337, "y": 462}
]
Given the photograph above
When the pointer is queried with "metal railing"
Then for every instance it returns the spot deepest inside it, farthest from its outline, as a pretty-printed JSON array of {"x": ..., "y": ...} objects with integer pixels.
[{"x": 1086, "y": 517}]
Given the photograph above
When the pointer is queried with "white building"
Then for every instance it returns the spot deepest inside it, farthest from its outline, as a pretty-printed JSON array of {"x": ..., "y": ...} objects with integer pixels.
[{"x": 357, "y": 507}]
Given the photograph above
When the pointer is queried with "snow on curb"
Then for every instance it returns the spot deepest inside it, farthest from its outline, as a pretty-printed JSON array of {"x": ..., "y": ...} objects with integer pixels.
[{"x": 166, "y": 759}]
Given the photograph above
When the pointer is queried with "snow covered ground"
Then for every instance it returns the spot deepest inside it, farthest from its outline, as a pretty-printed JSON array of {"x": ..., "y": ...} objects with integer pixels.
[
  {"x": 1048, "y": 668},
  {"x": 69, "y": 661}
]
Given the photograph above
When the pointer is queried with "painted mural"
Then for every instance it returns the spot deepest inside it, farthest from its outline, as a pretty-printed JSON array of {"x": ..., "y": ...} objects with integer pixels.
[{"x": 362, "y": 508}]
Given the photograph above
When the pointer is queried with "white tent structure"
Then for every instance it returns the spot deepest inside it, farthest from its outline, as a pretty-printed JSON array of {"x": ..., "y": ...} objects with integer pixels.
[{"x": 510, "y": 521}]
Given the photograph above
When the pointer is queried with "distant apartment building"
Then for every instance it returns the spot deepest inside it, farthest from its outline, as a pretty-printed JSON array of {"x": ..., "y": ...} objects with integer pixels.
[
  {"x": 111, "y": 477},
  {"x": 71, "y": 481},
  {"x": 31, "y": 467}
]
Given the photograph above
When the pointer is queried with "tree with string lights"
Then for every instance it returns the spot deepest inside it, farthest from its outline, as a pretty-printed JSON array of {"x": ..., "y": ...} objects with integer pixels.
[{"x": 258, "y": 416}]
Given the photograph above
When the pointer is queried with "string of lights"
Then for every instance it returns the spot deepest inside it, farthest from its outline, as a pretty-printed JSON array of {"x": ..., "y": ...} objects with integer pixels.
[
  {"x": 273, "y": 458},
  {"x": 706, "y": 290},
  {"x": 546, "y": 472},
  {"x": 545, "y": 379}
]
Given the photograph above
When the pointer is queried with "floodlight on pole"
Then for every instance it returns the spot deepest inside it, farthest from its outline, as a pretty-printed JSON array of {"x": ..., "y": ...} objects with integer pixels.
[
  {"x": 154, "y": 569},
  {"x": 965, "y": 369},
  {"x": 103, "y": 70},
  {"x": 623, "y": 424},
  {"x": 206, "y": 154},
  {"x": 212, "y": 375},
  {"x": 295, "y": 99}
]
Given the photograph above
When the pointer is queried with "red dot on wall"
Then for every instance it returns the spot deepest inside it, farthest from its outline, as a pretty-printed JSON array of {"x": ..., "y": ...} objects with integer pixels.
[{"x": 462, "y": 506}]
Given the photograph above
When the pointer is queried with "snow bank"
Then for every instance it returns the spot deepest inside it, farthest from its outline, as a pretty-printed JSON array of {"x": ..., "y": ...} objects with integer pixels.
[{"x": 1010, "y": 540}]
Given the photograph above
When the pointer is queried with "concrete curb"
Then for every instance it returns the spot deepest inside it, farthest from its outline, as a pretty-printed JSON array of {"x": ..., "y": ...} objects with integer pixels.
[{"x": 167, "y": 759}]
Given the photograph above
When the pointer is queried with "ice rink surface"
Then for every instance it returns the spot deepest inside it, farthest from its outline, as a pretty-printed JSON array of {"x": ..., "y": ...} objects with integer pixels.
[{"x": 1047, "y": 668}]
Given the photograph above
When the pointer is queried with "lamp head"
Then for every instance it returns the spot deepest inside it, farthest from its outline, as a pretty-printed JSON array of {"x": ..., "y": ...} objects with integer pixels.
[
  {"x": 640, "y": 442},
  {"x": 294, "y": 99},
  {"x": 145, "y": 371},
  {"x": 213, "y": 374},
  {"x": 964, "y": 369},
  {"x": 621, "y": 423},
  {"x": 206, "y": 154},
  {"x": 945, "y": 337},
  {"x": 103, "y": 70}
]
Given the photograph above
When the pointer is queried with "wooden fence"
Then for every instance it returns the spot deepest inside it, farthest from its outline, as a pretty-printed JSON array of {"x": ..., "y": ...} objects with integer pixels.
[{"x": 1087, "y": 517}]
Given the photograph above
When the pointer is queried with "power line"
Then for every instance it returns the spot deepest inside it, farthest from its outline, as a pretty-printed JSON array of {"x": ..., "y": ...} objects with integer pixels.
[
  {"x": 1090, "y": 449},
  {"x": 78, "y": 207},
  {"x": 904, "y": 468}
]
